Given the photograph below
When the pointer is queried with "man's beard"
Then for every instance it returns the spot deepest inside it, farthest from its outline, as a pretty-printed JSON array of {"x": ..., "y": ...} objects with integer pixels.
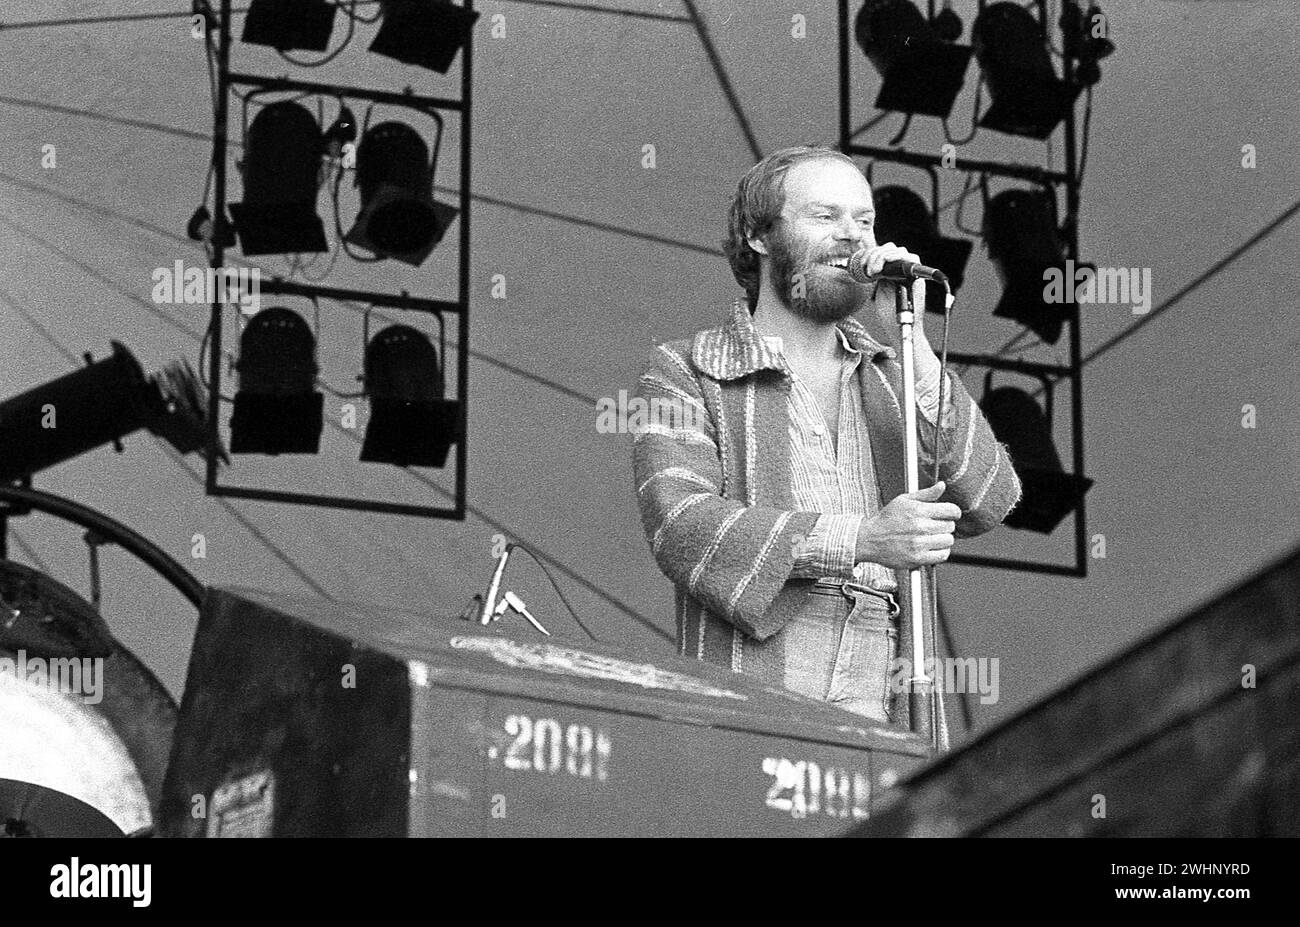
[{"x": 811, "y": 289}]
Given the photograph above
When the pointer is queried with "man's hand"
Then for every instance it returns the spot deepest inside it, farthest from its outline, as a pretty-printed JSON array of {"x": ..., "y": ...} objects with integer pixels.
[
  {"x": 913, "y": 530},
  {"x": 884, "y": 326}
]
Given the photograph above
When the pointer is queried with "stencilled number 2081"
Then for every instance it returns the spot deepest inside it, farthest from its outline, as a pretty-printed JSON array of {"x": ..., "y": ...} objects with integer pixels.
[
  {"x": 802, "y": 787},
  {"x": 543, "y": 746}
]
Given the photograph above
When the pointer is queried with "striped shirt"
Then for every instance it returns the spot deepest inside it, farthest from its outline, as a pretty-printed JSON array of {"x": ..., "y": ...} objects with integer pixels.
[{"x": 837, "y": 479}]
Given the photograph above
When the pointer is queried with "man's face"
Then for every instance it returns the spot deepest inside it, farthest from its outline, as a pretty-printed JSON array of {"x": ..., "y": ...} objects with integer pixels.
[{"x": 828, "y": 215}]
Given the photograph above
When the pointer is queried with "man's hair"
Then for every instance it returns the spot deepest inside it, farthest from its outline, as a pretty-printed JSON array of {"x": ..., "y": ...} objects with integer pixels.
[{"x": 757, "y": 205}]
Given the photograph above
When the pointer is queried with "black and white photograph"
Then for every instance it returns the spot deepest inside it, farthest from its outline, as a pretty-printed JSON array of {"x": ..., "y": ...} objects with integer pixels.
[{"x": 650, "y": 419}]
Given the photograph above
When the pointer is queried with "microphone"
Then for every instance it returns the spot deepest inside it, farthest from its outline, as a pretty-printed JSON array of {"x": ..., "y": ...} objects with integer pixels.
[{"x": 904, "y": 271}]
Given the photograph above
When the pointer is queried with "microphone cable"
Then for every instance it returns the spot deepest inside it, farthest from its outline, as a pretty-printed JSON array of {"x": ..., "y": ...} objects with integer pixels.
[
  {"x": 516, "y": 545},
  {"x": 934, "y": 478}
]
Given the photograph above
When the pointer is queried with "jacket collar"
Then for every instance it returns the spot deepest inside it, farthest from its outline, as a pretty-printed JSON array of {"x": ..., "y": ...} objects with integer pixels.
[{"x": 736, "y": 349}]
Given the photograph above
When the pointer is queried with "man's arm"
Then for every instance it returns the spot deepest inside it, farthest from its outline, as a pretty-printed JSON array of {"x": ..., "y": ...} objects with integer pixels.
[
  {"x": 976, "y": 467},
  {"x": 732, "y": 557}
]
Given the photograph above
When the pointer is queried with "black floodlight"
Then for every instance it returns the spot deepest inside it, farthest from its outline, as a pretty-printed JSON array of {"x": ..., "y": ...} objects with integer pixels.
[
  {"x": 1027, "y": 97},
  {"x": 410, "y": 423},
  {"x": 399, "y": 217},
  {"x": 1020, "y": 232},
  {"x": 278, "y": 409},
  {"x": 921, "y": 74},
  {"x": 426, "y": 33},
  {"x": 290, "y": 24},
  {"x": 1049, "y": 493},
  {"x": 281, "y": 171}
]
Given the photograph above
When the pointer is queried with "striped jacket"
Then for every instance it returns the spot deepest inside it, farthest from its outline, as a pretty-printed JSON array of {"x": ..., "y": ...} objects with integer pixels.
[{"x": 712, "y": 472}]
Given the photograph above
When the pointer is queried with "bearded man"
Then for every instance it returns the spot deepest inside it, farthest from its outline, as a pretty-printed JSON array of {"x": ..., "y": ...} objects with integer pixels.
[{"x": 773, "y": 498}]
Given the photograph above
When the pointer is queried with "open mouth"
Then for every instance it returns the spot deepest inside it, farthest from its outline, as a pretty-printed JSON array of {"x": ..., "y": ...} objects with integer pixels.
[{"x": 840, "y": 263}]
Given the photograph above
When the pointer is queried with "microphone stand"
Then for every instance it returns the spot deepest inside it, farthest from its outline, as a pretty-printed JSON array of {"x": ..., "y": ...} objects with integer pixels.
[
  {"x": 490, "y": 601},
  {"x": 920, "y": 685}
]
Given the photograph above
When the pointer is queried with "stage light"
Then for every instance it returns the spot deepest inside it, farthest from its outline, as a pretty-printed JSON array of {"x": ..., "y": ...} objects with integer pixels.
[
  {"x": 920, "y": 73},
  {"x": 1049, "y": 493},
  {"x": 1027, "y": 97},
  {"x": 1023, "y": 244},
  {"x": 281, "y": 171},
  {"x": 100, "y": 404},
  {"x": 427, "y": 33},
  {"x": 399, "y": 217},
  {"x": 277, "y": 409},
  {"x": 290, "y": 24},
  {"x": 410, "y": 422},
  {"x": 903, "y": 218}
]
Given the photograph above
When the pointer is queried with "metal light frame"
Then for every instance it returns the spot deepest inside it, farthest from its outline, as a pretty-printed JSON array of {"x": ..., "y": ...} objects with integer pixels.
[
  {"x": 227, "y": 80},
  {"x": 1073, "y": 371}
]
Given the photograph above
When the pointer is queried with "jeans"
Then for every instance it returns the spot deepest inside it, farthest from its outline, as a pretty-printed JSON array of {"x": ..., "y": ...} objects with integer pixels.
[{"x": 840, "y": 648}]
